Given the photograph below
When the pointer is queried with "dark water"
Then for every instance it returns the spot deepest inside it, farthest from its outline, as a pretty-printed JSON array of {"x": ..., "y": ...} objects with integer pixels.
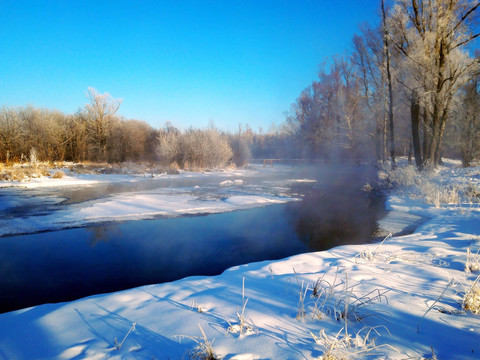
[{"x": 69, "y": 264}]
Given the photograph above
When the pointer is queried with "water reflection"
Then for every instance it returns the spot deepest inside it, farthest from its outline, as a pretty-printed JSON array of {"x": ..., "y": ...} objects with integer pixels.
[{"x": 337, "y": 210}]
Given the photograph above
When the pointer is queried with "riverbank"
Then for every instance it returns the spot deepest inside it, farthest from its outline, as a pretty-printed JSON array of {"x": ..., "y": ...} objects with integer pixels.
[{"x": 400, "y": 299}]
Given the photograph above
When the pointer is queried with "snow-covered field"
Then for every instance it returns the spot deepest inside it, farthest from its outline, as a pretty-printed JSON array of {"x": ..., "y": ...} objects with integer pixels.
[{"x": 401, "y": 299}]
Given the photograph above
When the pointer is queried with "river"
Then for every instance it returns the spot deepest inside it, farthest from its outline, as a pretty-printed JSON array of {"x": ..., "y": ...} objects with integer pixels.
[{"x": 64, "y": 265}]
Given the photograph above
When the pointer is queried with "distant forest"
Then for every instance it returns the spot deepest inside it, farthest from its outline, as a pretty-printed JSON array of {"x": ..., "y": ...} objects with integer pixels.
[
  {"x": 409, "y": 86},
  {"x": 96, "y": 134}
]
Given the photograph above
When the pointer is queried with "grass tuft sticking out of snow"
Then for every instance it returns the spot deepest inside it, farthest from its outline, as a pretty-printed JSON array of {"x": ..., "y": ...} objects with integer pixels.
[
  {"x": 369, "y": 255},
  {"x": 471, "y": 300},
  {"x": 204, "y": 349},
  {"x": 302, "y": 293},
  {"x": 195, "y": 305},
  {"x": 244, "y": 325},
  {"x": 473, "y": 261},
  {"x": 343, "y": 303},
  {"x": 344, "y": 347}
]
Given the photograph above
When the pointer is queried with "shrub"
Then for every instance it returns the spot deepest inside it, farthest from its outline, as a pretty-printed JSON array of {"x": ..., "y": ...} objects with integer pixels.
[
  {"x": 58, "y": 175},
  {"x": 437, "y": 195},
  {"x": 194, "y": 149},
  {"x": 401, "y": 176}
]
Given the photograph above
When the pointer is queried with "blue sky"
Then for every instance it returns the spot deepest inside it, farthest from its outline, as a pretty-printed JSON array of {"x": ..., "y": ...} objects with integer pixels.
[{"x": 188, "y": 62}]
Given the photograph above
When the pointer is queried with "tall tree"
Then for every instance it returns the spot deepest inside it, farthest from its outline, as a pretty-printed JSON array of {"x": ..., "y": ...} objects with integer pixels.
[
  {"x": 327, "y": 115},
  {"x": 431, "y": 36},
  {"x": 100, "y": 112},
  {"x": 386, "y": 51},
  {"x": 468, "y": 122},
  {"x": 368, "y": 58},
  {"x": 10, "y": 133}
]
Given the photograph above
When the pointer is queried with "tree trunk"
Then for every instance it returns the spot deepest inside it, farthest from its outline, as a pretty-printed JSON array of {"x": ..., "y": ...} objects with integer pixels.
[
  {"x": 427, "y": 138},
  {"x": 415, "y": 116},
  {"x": 389, "y": 84},
  {"x": 384, "y": 137},
  {"x": 438, "y": 149},
  {"x": 410, "y": 151}
]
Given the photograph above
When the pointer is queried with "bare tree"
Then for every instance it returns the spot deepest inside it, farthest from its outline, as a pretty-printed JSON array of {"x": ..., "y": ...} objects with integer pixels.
[
  {"x": 100, "y": 112},
  {"x": 368, "y": 57},
  {"x": 468, "y": 122},
  {"x": 168, "y": 149},
  {"x": 386, "y": 51},
  {"x": 10, "y": 133}
]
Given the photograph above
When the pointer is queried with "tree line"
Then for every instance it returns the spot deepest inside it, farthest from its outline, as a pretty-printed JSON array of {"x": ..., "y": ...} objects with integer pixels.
[
  {"x": 408, "y": 86},
  {"x": 95, "y": 133}
]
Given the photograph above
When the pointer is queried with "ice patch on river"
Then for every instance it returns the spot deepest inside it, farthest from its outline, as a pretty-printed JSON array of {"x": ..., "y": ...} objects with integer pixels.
[{"x": 42, "y": 205}]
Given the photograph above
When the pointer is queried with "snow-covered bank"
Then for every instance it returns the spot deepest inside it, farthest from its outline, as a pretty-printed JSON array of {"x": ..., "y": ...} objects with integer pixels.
[{"x": 407, "y": 293}]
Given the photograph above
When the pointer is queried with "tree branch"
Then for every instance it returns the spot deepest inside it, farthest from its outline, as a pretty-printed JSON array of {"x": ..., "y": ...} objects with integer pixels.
[
  {"x": 463, "y": 18},
  {"x": 466, "y": 41}
]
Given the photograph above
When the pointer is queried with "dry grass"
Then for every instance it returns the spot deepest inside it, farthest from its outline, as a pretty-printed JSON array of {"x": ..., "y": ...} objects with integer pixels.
[
  {"x": 429, "y": 186},
  {"x": 400, "y": 176},
  {"x": 31, "y": 170},
  {"x": 58, "y": 175},
  {"x": 473, "y": 261},
  {"x": 122, "y": 168},
  {"x": 204, "y": 349},
  {"x": 340, "y": 301},
  {"x": 24, "y": 171},
  {"x": 244, "y": 324},
  {"x": 471, "y": 299},
  {"x": 450, "y": 283},
  {"x": 437, "y": 195},
  {"x": 343, "y": 346}
]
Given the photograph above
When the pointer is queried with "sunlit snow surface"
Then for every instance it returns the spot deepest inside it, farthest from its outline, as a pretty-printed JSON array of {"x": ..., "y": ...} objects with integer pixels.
[{"x": 410, "y": 271}]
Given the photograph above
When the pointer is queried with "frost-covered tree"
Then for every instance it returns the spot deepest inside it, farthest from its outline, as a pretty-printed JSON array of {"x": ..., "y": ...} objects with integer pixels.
[
  {"x": 328, "y": 116},
  {"x": 204, "y": 149},
  {"x": 195, "y": 148},
  {"x": 468, "y": 121},
  {"x": 431, "y": 36},
  {"x": 168, "y": 148},
  {"x": 100, "y": 112}
]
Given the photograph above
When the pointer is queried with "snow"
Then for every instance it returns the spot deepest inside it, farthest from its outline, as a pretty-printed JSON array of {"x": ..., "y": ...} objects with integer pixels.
[
  {"x": 164, "y": 200},
  {"x": 406, "y": 291}
]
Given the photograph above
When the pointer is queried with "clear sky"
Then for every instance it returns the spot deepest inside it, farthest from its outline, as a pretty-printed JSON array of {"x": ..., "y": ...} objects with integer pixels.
[{"x": 188, "y": 62}]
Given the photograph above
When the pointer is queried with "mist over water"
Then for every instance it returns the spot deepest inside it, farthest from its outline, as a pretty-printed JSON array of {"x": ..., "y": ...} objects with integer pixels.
[
  {"x": 337, "y": 210},
  {"x": 69, "y": 264}
]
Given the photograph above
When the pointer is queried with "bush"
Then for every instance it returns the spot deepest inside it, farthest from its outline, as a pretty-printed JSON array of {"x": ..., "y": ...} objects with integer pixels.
[
  {"x": 194, "y": 149},
  {"x": 58, "y": 175}
]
